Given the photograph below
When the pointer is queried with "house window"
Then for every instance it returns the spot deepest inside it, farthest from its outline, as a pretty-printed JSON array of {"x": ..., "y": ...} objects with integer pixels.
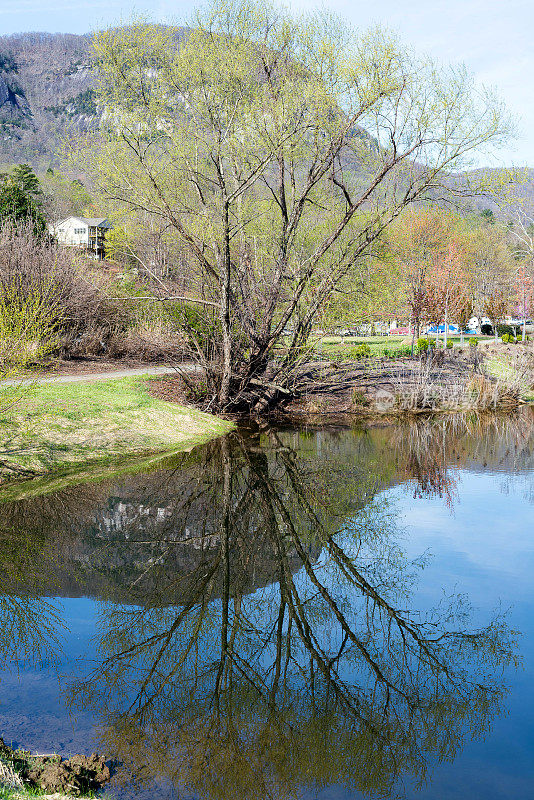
[{"x": 79, "y": 230}]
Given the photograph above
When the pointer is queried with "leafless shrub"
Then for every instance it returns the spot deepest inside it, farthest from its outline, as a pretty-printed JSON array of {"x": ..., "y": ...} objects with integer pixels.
[
  {"x": 147, "y": 346},
  {"x": 516, "y": 366},
  {"x": 85, "y": 317},
  {"x": 419, "y": 385}
]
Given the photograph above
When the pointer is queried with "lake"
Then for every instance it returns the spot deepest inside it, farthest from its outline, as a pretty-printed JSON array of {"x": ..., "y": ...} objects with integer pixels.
[{"x": 322, "y": 613}]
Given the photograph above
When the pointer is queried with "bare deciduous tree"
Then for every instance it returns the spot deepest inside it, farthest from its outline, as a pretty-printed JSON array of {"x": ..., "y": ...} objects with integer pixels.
[{"x": 278, "y": 150}]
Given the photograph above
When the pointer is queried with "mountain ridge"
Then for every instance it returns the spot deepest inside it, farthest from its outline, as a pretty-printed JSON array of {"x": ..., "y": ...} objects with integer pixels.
[{"x": 47, "y": 90}]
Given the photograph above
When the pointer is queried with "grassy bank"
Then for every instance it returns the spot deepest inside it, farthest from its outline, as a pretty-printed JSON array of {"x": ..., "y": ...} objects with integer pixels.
[
  {"x": 342, "y": 348},
  {"x": 347, "y": 347},
  {"x": 67, "y": 426},
  {"x": 7, "y": 793},
  {"x": 513, "y": 373}
]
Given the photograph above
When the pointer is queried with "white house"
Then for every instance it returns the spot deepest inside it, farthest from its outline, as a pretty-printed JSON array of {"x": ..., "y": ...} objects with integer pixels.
[{"x": 87, "y": 234}]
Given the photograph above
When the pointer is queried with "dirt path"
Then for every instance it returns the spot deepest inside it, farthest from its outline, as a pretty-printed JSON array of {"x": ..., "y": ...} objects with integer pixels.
[{"x": 102, "y": 376}]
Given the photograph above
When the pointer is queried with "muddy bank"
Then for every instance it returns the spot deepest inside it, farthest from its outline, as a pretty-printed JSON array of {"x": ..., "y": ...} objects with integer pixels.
[
  {"x": 439, "y": 381},
  {"x": 74, "y": 777}
]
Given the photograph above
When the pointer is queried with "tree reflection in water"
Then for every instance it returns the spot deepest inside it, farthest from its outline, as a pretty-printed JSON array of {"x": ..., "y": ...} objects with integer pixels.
[
  {"x": 430, "y": 449},
  {"x": 324, "y": 674},
  {"x": 30, "y": 625}
]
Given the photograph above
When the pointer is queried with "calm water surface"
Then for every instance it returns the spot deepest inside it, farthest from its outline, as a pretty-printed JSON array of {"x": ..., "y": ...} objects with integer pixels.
[{"x": 288, "y": 613}]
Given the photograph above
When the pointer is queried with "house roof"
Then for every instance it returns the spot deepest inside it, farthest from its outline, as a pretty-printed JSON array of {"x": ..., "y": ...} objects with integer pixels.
[{"x": 93, "y": 222}]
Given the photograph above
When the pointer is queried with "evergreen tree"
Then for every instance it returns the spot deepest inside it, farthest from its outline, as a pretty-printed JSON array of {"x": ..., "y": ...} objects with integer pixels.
[
  {"x": 488, "y": 216},
  {"x": 18, "y": 206},
  {"x": 25, "y": 178}
]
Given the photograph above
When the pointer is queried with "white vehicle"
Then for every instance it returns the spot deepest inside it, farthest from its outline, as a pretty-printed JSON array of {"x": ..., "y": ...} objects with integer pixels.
[
  {"x": 517, "y": 324},
  {"x": 475, "y": 323}
]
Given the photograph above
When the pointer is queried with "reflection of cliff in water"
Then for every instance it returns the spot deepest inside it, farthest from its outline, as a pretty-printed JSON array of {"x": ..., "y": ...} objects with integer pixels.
[
  {"x": 124, "y": 540},
  {"x": 135, "y": 540},
  {"x": 132, "y": 561},
  {"x": 271, "y": 639}
]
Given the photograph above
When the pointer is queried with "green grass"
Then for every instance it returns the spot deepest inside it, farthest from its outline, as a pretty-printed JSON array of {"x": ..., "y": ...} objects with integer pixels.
[
  {"x": 379, "y": 341},
  {"x": 345, "y": 347},
  {"x": 26, "y": 793},
  {"x": 29, "y": 793},
  {"x": 341, "y": 347},
  {"x": 504, "y": 371},
  {"x": 7, "y": 793},
  {"x": 68, "y": 426}
]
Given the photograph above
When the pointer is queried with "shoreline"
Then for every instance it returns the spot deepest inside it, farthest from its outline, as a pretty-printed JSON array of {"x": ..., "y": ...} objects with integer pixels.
[
  {"x": 375, "y": 387},
  {"x": 61, "y": 429},
  {"x": 88, "y": 425}
]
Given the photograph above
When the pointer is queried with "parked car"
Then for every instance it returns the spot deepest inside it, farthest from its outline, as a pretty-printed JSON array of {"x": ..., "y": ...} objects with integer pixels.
[
  {"x": 453, "y": 330},
  {"x": 518, "y": 324},
  {"x": 474, "y": 323},
  {"x": 400, "y": 332}
]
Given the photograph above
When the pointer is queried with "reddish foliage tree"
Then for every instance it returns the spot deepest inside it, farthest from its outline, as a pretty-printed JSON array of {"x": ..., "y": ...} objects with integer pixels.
[{"x": 447, "y": 295}]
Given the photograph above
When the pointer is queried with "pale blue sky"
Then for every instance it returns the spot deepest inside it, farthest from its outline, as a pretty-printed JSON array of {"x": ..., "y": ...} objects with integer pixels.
[{"x": 493, "y": 37}]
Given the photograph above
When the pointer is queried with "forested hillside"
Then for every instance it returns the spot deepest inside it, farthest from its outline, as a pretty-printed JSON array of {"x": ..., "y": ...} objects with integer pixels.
[{"x": 46, "y": 91}]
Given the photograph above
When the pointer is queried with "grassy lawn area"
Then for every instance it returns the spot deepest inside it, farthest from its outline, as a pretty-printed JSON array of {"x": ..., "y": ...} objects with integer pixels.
[
  {"x": 379, "y": 341},
  {"x": 59, "y": 426},
  {"x": 345, "y": 346}
]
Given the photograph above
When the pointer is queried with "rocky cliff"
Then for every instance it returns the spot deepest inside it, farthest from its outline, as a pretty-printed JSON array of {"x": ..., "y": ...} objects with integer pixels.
[{"x": 46, "y": 89}]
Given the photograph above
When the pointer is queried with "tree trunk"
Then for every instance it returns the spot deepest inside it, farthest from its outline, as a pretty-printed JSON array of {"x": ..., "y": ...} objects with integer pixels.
[
  {"x": 445, "y": 327},
  {"x": 226, "y": 372}
]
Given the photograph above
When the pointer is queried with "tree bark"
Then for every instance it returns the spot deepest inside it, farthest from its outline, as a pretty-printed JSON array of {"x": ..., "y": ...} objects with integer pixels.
[{"x": 224, "y": 394}]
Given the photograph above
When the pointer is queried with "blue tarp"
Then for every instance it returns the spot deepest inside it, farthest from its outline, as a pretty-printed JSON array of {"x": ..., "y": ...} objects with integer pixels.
[{"x": 454, "y": 330}]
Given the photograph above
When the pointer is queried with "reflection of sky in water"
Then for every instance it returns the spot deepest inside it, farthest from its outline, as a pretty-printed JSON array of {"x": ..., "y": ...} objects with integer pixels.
[
  {"x": 32, "y": 713},
  {"x": 484, "y": 548}
]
